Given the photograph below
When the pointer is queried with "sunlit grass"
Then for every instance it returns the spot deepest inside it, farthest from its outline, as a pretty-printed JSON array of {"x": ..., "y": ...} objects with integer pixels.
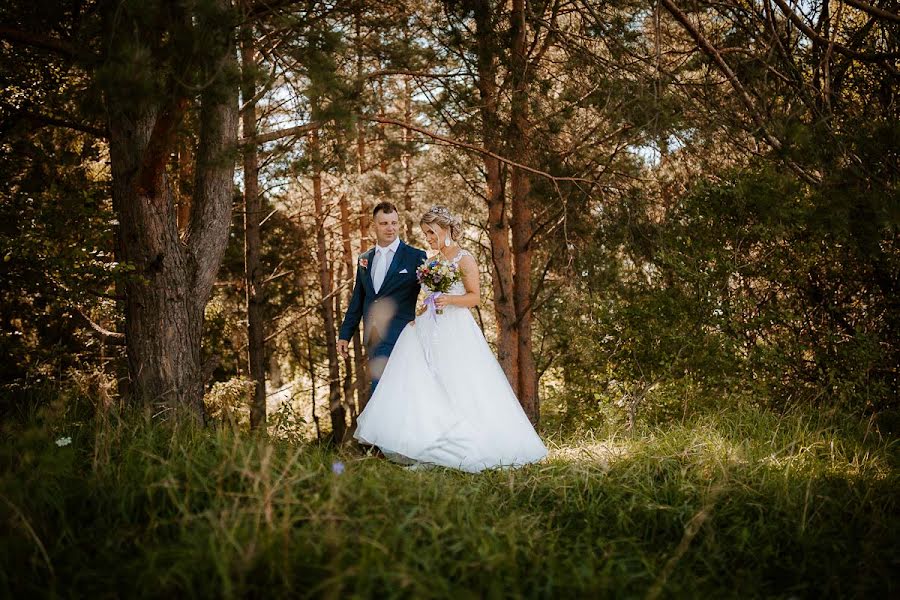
[{"x": 735, "y": 504}]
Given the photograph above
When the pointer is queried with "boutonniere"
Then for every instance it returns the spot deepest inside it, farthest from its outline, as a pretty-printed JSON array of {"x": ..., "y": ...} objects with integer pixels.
[{"x": 364, "y": 262}]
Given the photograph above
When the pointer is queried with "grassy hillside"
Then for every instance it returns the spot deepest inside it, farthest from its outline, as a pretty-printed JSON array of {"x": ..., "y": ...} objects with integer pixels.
[{"x": 743, "y": 503}]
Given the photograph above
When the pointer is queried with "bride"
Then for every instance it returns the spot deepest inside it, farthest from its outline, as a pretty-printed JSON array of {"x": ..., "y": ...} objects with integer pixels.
[{"x": 443, "y": 398}]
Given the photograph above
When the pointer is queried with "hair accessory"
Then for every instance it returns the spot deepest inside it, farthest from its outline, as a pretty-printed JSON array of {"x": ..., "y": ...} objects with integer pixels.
[
  {"x": 443, "y": 211},
  {"x": 440, "y": 210}
]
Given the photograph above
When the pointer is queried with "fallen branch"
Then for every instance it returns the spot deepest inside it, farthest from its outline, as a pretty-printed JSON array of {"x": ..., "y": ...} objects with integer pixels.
[{"x": 106, "y": 336}]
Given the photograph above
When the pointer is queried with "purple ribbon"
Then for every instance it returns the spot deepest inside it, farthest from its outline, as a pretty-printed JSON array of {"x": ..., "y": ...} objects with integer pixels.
[{"x": 432, "y": 308}]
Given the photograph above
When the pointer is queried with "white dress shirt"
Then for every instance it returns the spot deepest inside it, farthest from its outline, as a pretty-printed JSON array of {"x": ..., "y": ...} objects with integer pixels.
[{"x": 383, "y": 258}]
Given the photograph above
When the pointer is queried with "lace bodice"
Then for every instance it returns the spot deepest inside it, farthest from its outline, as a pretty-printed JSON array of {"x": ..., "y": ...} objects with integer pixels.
[{"x": 458, "y": 288}]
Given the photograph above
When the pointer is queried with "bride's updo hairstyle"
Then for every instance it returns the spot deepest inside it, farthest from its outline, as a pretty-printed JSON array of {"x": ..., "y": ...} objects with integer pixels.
[{"x": 441, "y": 215}]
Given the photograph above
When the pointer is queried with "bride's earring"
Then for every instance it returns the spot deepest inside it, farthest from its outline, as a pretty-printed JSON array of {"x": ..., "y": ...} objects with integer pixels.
[{"x": 447, "y": 241}]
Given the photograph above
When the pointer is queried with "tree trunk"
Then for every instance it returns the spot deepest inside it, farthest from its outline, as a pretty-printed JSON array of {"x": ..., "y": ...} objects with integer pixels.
[
  {"x": 335, "y": 405},
  {"x": 256, "y": 350},
  {"x": 349, "y": 274},
  {"x": 166, "y": 297},
  {"x": 498, "y": 226},
  {"x": 311, "y": 369},
  {"x": 347, "y": 380},
  {"x": 406, "y": 163},
  {"x": 522, "y": 226},
  {"x": 359, "y": 358}
]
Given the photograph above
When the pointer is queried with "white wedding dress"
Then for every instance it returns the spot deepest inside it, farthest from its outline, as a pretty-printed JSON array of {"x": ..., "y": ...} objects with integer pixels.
[{"x": 444, "y": 400}]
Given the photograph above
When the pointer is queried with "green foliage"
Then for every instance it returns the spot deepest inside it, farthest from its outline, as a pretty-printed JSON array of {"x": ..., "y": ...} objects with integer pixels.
[
  {"x": 229, "y": 401},
  {"x": 56, "y": 253},
  {"x": 750, "y": 282},
  {"x": 738, "y": 503},
  {"x": 158, "y": 52}
]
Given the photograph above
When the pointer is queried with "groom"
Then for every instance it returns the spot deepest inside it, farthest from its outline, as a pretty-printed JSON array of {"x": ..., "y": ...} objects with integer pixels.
[{"x": 385, "y": 292}]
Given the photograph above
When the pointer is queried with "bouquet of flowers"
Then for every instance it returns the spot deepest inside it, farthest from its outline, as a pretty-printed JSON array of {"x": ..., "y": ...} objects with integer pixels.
[{"x": 439, "y": 276}]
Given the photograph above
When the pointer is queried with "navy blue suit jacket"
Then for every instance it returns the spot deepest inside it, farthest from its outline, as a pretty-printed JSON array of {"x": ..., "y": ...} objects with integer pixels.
[{"x": 386, "y": 313}]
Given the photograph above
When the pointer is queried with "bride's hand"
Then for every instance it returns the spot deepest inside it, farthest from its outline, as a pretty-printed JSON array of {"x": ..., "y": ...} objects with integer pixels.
[{"x": 443, "y": 301}]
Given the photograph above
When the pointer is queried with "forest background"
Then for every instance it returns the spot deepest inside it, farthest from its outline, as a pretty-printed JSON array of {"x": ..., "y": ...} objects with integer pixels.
[{"x": 680, "y": 209}]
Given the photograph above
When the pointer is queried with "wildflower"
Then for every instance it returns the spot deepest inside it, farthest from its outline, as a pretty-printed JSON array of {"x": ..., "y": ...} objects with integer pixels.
[
  {"x": 337, "y": 467},
  {"x": 63, "y": 441}
]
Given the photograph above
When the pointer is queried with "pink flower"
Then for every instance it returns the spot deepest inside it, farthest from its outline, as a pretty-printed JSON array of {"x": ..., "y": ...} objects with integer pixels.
[{"x": 364, "y": 263}]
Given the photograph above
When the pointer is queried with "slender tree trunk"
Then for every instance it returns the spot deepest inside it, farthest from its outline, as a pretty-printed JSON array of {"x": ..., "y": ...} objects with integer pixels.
[
  {"x": 326, "y": 280},
  {"x": 312, "y": 390},
  {"x": 311, "y": 369},
  {"x": 522, "y": 226},
  {"x": 498, "y": 225},
  {"x": 356, "y": 365},
  {"x": 347, "y": 379},
  {"x": 165, "y": 300},
  {"x": 359, "y": 358},
  {"x": 378, "y": 87},
  {"x": 406, "y": 163},
  {"x": 256, "y": 350}
]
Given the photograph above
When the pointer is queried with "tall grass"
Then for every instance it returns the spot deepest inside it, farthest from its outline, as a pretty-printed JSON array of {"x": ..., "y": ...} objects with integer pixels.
[{"x": 744, "y": 503}]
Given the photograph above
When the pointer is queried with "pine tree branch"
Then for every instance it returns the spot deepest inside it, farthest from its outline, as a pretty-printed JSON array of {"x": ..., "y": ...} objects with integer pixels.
[
  {"x": 422, "y": 74},
  {"x": 56, "y": 122},
  {"x": 874, "y": 10},
  {"x": 282, "y": 133},
  {"x": 877, "y": 57},
  {"x": 472, "y": 147},
  {"x": 548, "y": 38},
  {"x": 43, "y": 42},
  {"x": 262, "y": 8},
  {"x": 742, "y": 93}
]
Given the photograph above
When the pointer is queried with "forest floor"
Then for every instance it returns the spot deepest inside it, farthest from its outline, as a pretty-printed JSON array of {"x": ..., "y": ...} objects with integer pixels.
[{"x": 740, "y": 503}]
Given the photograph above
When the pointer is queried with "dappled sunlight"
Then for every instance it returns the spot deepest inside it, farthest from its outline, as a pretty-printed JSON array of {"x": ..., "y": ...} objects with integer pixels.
[
  {"x": 601, "y": 454},
  {"x": 714, "y": 448},
  {"x": 828, "y": 456}
]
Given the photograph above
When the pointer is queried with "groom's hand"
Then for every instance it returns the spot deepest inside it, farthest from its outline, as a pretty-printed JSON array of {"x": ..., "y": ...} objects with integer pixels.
[{"x": 343, "y": 348}]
